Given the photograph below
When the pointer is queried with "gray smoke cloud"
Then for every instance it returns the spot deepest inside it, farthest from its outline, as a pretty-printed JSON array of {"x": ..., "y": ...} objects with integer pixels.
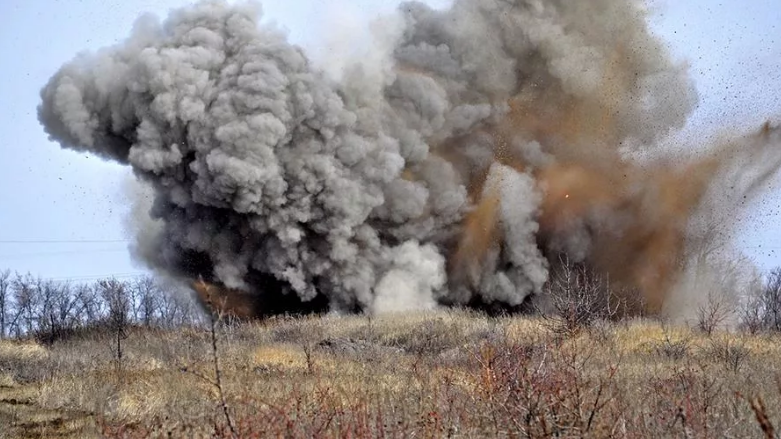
[{"x": 351, "y": 189}]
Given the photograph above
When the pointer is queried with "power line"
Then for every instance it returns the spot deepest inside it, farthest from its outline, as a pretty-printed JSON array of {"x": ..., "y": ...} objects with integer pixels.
[
  {"x": 99, "y": 277},
  {"x": 63, "y": 252},
  {"x": 127, "y": 275},
  {"x": 63, "y": 241},
  {"x": 94, "y": 241}
]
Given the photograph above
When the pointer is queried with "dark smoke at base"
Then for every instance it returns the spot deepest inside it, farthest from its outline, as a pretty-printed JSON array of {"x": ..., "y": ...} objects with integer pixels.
[{"x": 475, "y": 146}]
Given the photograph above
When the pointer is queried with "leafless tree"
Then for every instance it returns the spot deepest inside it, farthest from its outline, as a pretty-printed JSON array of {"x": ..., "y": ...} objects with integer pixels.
[
  {"x": 33, "y": 306},
  {"x": 146, "y": 293},
  {"x": 5, "y": 301},
  {"x": 45, "y": 316},
  {"x": 26, "y": 301},
  {"x": 191, "y": 313},
  {"x": 66, "y": 307},
  {"x": 116, "y": 298},
  {"x": 87, "y": 303},
  {"x": 771, "y": 301},
  {"x": 58, "y": 312},
  {"x": 761, "y": 309},
  {"x": 168, "y": 311},
  {"x": 751, "y": 312},
  {"x": 177, "y": 308}
]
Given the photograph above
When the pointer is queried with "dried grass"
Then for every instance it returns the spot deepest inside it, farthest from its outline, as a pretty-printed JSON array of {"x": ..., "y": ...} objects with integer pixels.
[{"x": 448, "y": 374}]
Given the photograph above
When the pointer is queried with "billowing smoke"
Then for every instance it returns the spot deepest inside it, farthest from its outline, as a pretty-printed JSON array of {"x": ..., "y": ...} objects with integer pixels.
[{"x": 453, "y": 166}]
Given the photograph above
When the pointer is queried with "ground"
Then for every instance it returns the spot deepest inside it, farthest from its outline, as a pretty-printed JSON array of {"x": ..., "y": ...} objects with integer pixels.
[{"x": 445, "y": 374}]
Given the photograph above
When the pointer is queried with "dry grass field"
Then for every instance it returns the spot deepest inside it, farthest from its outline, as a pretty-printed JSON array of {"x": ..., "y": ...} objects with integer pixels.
[{"x": 450, "y": 374}]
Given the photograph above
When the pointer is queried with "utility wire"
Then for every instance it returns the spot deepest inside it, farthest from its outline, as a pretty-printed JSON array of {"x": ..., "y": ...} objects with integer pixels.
[
  {"x": 98, "y": 277},
  {"x": 63, "y": 241},
  {"x": 97, "y": 241},
  {"x": 128, "y": 275},
  {"x": 63, "y": 252}
]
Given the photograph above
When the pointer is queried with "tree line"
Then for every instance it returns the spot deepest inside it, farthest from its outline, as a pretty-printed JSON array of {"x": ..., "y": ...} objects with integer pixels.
[
  {"x": 761, "y": 310},
  {"x": 33, "y": 306},
  {"x": 48, "y": 310}
]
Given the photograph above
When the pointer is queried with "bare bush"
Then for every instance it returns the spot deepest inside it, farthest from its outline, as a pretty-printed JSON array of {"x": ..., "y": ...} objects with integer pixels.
[
  {"x": 674, "y": 349},
  {"x": 730, "y": 352},
  {"x": 579, "y": 298},
  {"x": 716, "y": 310}
]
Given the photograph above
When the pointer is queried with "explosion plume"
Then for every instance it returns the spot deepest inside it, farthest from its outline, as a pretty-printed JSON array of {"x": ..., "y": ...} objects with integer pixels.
[{"x": 476, "y": 146}]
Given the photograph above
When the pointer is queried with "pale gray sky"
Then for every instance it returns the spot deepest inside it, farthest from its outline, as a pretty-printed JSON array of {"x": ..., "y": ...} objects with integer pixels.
[{"x": 52, "y": 200}]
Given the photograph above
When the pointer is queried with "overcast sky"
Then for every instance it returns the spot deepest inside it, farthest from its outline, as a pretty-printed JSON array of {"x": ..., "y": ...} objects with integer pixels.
[{"x": 61, "y": 212}]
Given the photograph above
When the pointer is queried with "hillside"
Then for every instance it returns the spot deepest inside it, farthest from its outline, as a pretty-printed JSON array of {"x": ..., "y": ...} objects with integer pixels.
[{"x": 452, "y": 374}]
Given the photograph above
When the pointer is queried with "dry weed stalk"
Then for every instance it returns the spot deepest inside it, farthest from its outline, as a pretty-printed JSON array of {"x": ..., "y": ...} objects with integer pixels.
[
  {"x": 217, "y": 381},
  {"x": 760, "y": 412}
]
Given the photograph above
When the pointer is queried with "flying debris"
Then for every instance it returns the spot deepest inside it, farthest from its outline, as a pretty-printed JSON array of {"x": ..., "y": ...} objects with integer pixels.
[{"x": 478, "y": 145}]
